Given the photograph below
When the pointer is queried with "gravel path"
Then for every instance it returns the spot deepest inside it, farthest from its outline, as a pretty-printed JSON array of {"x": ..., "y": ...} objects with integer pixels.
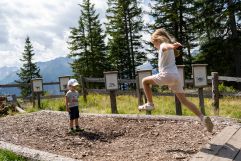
[{"x": 109, "y": 139}]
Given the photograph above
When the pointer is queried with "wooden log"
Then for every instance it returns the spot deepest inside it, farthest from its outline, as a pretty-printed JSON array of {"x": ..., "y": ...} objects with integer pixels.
[
  {"x": 20, "y": 110},
  {"x": 215, "y": 93}
]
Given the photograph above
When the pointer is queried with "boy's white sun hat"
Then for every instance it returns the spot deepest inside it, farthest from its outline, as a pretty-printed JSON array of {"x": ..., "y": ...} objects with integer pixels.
[{"x": 73, "y": 82}]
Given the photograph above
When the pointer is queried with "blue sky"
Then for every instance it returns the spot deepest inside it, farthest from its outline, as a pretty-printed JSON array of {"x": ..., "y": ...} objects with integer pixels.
[{"x": 46, "y": 22}]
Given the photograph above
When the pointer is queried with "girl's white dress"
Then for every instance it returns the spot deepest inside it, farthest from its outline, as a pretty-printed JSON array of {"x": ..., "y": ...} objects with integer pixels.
[{"x": 168, "y": 73}]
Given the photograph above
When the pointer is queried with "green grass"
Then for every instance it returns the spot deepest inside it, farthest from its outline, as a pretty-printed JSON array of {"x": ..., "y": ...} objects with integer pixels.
[
  {"x": 6, "y": 155},
  {"x": 164, "y": 105}
]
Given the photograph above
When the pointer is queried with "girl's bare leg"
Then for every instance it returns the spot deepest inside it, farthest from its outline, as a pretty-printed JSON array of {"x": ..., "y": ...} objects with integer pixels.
[
  {"x": 147, "y": 89},
  {"x": 189, "y": 105},
  {"x": 207, "y": 121}
]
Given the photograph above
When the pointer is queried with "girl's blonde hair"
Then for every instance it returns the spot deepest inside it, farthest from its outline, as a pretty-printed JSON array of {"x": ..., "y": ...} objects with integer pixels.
[{"x": 163, "y": 36}]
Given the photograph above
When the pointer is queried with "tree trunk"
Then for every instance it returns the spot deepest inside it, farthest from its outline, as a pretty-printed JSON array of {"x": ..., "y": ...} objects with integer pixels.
[
  {"x": 131, "y": 44},
  {"x": 181, "y": 25},
  {"x": 125, "y": 7},
  {"x": 236, "y": 48}
]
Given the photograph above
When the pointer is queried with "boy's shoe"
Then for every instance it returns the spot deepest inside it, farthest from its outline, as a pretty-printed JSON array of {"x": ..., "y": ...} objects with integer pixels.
[
  {"x": 79, "y": 129},
  {"x": 72, "y": 131},
  {"x": 208, "y": 123},
  {"x": 146, "y": 106}
]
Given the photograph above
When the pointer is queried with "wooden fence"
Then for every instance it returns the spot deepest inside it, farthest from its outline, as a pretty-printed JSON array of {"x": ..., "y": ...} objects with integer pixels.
[{"x": 212, "y": 80}]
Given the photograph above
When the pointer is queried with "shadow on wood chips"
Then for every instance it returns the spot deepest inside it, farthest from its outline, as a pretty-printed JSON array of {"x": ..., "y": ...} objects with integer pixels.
[{"x": 100, "y": 136}]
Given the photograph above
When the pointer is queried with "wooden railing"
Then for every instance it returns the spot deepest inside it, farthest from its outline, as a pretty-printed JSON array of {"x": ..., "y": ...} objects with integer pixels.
[
  {"x": 136, "y": 92},
  {"x": 228, "y": 79}
]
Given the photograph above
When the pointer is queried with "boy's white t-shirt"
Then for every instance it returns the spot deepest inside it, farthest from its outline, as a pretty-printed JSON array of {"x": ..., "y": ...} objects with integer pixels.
[
  {"x": 72, "y": 98},
  {"x": 166, "y": 61}
]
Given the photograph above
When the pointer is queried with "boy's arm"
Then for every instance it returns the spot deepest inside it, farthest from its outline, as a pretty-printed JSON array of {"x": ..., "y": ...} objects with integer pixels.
[
  {"x": 66, "y": 103},
  {"x": 171, "y": 46}
]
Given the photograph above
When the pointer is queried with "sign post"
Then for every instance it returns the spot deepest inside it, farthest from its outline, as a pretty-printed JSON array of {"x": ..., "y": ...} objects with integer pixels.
[
  {"x": 37, "y": 87},
  {"x": 178, "y": 104},
  {"x": 215, "y": 93},
  {"x": 111, "y": 84},
  {"x": 200, "y": 81},
  {"x": 63, "y": 83},
  {"x": 141, "y": 74}
]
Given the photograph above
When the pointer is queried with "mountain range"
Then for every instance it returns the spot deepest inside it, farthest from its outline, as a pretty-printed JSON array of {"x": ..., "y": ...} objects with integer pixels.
[{"x": 49, "y": 70}]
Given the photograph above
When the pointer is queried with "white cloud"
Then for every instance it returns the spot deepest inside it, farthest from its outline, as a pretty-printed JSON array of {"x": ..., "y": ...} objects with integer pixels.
[
  {"x": 8, "y": 58},
  {"x": 46, "y": 22}
]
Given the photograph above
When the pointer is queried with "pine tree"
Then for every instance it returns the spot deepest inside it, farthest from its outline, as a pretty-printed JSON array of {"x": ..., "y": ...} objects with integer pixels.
[
  {"x": 86, "y": 44},
  {"x": 219, "y": 35},
  {"x": 124, "y": 28},
  {"x": 29, "y": 70},
  {"x": 78, "y": 50}
]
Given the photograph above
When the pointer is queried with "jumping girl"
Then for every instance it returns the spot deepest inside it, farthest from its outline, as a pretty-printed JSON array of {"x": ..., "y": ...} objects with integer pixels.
[{"x": 168, "y": 75}]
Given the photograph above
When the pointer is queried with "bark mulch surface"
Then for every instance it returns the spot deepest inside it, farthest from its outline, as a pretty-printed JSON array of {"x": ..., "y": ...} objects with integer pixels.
[{"x": 108, "y": 139}]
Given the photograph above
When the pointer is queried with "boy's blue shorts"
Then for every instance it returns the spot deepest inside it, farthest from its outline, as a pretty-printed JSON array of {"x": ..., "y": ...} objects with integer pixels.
[{"x": 74, "y": 112}]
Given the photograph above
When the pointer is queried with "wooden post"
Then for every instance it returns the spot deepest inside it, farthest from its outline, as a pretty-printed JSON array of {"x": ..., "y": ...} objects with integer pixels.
[
  {"x": 145, "y": 99},
  {"x": 178, "y": 106},
  {"x": 113, "y": 102},
  {"x": 111, "y": 85},
  {"x": 83, "y": 86},
  {"x": 37, "y": 88},
  {"x": 39, "y": 101},
  {"x": 141, "y": 74},
  {"x": 33, "y": 99},
  {"x": 139, "y": 92},
  {"x": 141, "y": 102},
  {"x": 199, "y": 72},
  {"x": 201, "y": 100},
  {"x": 140, "y": 95},
  {"x": 215, "y": 93}
]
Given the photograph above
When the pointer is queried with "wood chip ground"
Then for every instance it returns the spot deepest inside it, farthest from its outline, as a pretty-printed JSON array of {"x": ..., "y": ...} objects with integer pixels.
[{"x": 108, "y": 139}]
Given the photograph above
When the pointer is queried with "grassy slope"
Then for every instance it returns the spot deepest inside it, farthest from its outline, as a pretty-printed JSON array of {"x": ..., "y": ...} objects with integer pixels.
[{"x": 229, "y": 107}]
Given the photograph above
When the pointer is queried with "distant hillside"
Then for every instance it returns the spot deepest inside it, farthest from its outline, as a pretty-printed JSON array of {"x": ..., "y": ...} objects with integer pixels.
[
  {"x": 50, "y": 71},
  {"x": 6, "y": 72}
]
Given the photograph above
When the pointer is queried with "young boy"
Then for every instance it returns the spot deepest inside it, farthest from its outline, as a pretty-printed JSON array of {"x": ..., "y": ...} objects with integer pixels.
[{"x": 72, "y": 105}]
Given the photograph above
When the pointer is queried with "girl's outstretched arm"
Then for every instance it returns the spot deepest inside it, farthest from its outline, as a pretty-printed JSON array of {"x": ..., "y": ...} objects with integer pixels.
[{"x": 171, "y": 46}]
